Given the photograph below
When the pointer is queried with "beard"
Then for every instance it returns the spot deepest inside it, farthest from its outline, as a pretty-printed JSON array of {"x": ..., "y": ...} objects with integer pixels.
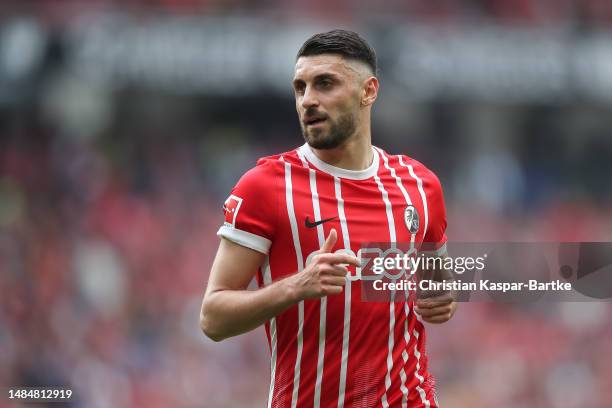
[{"x": 338, "y": 132}]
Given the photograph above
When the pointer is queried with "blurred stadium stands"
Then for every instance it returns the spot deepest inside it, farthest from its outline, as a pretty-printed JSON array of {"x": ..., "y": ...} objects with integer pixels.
[{"x": 123, "y": 126}]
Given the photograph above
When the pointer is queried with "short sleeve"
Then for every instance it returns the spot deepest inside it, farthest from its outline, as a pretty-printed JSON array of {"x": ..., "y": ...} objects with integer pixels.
[
  {"x": 435, "y": 236},
  {"x": 250, "y": 210}
]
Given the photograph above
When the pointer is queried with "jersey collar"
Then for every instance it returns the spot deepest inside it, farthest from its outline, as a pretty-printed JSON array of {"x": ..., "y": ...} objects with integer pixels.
[{"x": 337, "y": 171}]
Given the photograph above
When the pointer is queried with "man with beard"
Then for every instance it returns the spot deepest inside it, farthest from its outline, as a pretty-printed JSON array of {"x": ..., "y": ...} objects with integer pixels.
[{"x": 296, "y": 222}]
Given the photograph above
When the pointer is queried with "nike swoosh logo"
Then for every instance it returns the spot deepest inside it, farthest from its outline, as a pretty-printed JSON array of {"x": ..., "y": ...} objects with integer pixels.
[{"x": 312, "y": 224}]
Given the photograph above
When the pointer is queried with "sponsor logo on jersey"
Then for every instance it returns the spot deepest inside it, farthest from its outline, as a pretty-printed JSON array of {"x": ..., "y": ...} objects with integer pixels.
[
  {"x": 312, "y": 224},
  {"x": 231, "y": 208}
]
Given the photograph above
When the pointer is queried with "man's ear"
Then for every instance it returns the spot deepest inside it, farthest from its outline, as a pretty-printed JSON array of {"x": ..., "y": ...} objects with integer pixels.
[{"x": 369, "y": 92}]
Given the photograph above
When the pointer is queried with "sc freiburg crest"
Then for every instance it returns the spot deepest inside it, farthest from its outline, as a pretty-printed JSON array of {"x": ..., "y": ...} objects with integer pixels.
[{"x": 411, "y": 218}]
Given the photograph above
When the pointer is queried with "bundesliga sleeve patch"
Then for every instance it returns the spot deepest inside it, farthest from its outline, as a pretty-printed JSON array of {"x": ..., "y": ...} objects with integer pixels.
[{"x": 231, "y": 208}]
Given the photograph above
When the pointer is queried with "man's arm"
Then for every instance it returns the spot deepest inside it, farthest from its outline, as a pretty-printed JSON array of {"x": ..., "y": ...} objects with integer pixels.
[{"x": 229, "y": 309}]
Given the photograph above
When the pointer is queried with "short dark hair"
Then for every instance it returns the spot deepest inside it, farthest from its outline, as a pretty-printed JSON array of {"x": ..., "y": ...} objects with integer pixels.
[{"x": 349, "y": 44}]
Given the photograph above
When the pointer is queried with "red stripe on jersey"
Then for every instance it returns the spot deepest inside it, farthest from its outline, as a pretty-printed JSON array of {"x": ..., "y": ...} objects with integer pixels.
[
  {"x": 287, "y": 327},
  {"x": 411, "y": 187},
  {"x": 389, "y": 183},
  {"x": 368, "y": 339},
  {"x": 413, "y": 384},
  {"x": 434, "y": 233},
  {"x": 303, "y": 206},
  {"x": 287, "y": 322},
  {"x": 401, "y": 194},
  {"x": 335, "y": 303}
]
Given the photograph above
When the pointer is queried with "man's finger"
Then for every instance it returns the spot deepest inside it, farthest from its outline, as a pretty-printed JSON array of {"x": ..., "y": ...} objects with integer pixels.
[
  {"x": 440, "y": 310},
  {"x": 437, "y": 319},
  {"x": 332, "y": 290},
  {"x": 330, "y": 241},
  {"x": 340, "y": 258},
  {"x": 335, "y": 270},
  {"x": 333, "y": 281},
  {"x": 431, "y": 304},
  {"x": 435, "y": 301}
]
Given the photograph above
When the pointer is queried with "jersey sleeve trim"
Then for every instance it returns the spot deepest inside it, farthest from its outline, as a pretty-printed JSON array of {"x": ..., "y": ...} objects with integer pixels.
[{"x": 246, "y": 239}]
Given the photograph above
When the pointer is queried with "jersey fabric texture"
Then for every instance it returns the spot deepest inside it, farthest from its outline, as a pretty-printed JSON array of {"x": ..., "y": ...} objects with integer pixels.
[{"x": 339, "y": 351}]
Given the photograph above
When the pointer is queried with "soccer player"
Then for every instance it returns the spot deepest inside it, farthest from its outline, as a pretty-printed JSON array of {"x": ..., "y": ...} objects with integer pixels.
[{"x": 296, "y": 221}]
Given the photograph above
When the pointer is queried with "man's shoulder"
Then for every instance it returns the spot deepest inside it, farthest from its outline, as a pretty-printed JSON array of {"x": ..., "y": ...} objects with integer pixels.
[
  {"x": 269, "y": 167},
  {"x": 421, "y": 169},
  {"x": 416, "y": 168},
  {"x": 280, "y": 159}
]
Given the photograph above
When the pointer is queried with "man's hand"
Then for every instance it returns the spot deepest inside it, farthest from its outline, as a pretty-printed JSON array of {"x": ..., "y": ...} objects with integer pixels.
[
  {"x": 326, "y": 273},
  {"x": 229, "y": 309},
  {"x": 436, "y": 306},
  {"x": 436, "y": 309}
]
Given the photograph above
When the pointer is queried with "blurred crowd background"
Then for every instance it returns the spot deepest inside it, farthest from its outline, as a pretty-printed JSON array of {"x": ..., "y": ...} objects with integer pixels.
[{"x": 124, "y": 125}]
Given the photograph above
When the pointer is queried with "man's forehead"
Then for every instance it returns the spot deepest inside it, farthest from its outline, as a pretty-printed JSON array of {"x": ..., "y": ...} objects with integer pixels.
[{"x": 325, "y": 63}]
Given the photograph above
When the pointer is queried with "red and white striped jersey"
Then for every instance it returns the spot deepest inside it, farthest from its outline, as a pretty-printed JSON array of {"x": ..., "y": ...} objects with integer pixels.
[{"x": 339, "y": 351}]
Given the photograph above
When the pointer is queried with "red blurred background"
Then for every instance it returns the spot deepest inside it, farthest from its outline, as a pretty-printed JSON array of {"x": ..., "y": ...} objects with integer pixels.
[{"x": 124, "y": 125}]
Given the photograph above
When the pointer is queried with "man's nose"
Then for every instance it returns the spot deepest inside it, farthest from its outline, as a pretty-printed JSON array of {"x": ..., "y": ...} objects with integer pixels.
[{"x": 309, "y": 99}]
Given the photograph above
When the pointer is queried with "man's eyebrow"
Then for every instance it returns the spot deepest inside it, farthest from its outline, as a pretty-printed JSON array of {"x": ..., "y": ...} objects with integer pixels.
[
  {"x": 326, "y": 75},
  {"x": 319, "y": 77}
]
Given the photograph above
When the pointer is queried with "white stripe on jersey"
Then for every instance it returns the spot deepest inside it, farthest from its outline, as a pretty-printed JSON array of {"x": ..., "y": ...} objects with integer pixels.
[
  {"x": 418, "y": 317},
  {"x": 401, "y": 187},
  {"x": 392, "y": 239},
  {"x": 421, "y": 191},
  {"x": 302, "y": 158},
  {"x": 323, "y": 305},
  {"x": 300, "y": 266},
  {"x": 267, "y": 279},
  {"x": 384, "y": 401},
  {"x": 403, "y": 376},
  {"x": 425, "y": 207},
  {"x": 417, "y": 353},
  {"x": 347, "y": 297}
]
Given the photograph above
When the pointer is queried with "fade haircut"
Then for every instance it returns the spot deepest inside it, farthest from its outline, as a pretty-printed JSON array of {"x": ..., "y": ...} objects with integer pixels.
[{"x": 346, "y": 43}]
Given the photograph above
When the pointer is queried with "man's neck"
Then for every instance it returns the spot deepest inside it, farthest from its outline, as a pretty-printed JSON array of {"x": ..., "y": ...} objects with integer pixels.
[{"x": 354, "y": 154}]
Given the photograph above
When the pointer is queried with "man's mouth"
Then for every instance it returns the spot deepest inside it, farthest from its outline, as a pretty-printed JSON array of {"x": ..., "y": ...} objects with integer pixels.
[{"x": 314, "y": 121}]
